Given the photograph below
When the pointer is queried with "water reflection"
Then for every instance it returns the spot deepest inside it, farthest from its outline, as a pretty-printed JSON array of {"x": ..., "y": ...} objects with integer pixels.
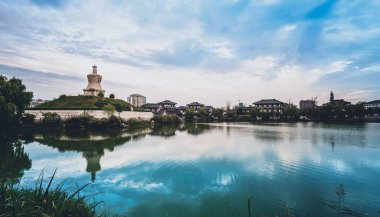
[
  {"x": 92, "y": 145},
  {"x": 13, "y": 159},
  {"x": 210, "y": 169}
]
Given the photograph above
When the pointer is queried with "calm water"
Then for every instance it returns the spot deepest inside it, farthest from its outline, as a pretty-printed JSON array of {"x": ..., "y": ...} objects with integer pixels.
[{"x": 210, "y": 170}]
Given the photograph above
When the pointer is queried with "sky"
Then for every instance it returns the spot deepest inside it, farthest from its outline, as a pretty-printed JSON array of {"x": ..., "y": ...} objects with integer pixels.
[{"x": 210, "y": 51}]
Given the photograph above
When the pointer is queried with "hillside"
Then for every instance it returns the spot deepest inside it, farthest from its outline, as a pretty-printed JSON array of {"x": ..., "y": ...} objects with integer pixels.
[{"x": 82, "y": 102}]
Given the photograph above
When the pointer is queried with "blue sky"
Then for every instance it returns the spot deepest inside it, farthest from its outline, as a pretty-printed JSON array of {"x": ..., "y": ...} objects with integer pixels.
[{"x": 212, "y": 51}]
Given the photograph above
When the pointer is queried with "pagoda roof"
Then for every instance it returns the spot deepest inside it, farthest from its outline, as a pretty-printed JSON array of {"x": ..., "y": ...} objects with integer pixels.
[
  {"x": 267, "y": 102},
  {"x": 167, "y": 102}
]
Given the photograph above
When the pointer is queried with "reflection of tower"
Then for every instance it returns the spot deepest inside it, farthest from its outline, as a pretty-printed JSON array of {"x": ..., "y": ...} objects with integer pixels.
[
  {"x": 93, "y": 162},
  {"x": 94, "y": 80}
]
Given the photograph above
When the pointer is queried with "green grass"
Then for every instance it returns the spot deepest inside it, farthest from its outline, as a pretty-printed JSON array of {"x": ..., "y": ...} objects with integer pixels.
[
  {"x": 46, "y": 199},
  {"x": 81, "y": 102}
]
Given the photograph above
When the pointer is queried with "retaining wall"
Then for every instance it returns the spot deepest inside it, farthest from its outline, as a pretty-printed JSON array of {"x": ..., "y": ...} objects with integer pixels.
[{"x": 126, "y": 115}]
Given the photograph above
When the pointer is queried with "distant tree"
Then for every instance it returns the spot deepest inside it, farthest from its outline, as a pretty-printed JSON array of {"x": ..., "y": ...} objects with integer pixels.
[
  {"x": 217, "y": 113},
  {"x": 291, "y": 112},
  {"x": 254, "y": 113},
  {"x": 100, "y": 94},
  {"x": 112, "y": 96},
  {"x": 331, "y": 96},
  {"x": 118, "y": 108},
  {"x": 13, "y": 100},
  {"x": 190, "y": 114},
  {"x": 62, "y": 96},
  {"x": 203, "y": 113},
  {"x": 109, "y": 110}
]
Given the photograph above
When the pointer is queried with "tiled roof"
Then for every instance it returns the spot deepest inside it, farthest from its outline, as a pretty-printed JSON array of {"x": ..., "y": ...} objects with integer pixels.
[
  {"x": 195, "y": 104},
  {"x": 150, "y": 105},
  {"x": 267, "y": 101},
  {"x": 167, "y": 102}
]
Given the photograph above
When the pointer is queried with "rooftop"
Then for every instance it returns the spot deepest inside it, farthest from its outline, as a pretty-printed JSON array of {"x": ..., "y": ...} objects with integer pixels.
[
  {"x": 195, "y": 104},
  {"x": 267, "y": 101},
  {"x": 167, "y": 102},
  {"x": 150, "y": 105}
]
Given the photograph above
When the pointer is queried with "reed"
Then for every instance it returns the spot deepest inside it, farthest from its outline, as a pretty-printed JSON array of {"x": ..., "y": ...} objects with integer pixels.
[{"x": 46, "y": 200}]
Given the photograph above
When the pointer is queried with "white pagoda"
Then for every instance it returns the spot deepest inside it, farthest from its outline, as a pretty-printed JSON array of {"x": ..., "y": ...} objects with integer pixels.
[{"x": 94, "y": 80}]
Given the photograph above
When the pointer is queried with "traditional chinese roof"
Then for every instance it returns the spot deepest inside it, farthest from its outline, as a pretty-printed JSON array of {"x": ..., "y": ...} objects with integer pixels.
[
  {"x": 150, "y": 105},
  {"x": 195, "y": 104},
  {"x": 182, "y": 107},
  {"x": 167, "y": 102},
  {"x": 268, "y": 102}
]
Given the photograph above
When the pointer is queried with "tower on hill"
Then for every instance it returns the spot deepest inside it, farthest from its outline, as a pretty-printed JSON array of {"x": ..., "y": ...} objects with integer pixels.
[{"x": 94, "y": 80}]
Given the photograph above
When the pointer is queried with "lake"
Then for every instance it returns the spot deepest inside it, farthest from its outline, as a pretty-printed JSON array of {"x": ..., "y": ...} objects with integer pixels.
[{"x": 212, "y": 169}]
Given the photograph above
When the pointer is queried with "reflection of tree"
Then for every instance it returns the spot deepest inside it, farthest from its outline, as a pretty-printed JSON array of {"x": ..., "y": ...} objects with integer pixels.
[
  {"x": 13, "y": 160},
  {"x": 197, "y": 129},
  {"x": 91, "y": 144},
  {"x": 165, "y": 131}
]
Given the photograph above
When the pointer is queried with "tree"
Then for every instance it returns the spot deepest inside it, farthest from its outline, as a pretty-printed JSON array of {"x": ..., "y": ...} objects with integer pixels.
[
  {"x": 217, "y": 113},
  {"x": 203, "y": 113},
  {"x": 331, "y": 96},
  {"x": 254, "y": 113},
  {"x": 109, "y": 109},
  {"x": 190, "y": 113},
  {"x": 13, "y": 100},
  {"x": 291, "y": 111},
  {"x": 112, "y": 96},
  {"x": 100, "y": 94}
]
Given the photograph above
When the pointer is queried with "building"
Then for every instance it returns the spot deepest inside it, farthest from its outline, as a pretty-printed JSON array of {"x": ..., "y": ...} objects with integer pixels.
[
  {"x": 152, "y": 107},
  {"x": 372, "y": 104},
  {"x": 195, "y": 105},
  {"x": 270, "y": 105},
  {"x": 307, "y": 104},
  {"x": 36, "y": 102},
  {"x": 161, "y": 106},
  {"x": 337, "y": 102},
  {"x": 167, "y": 104},
  {"x": 94, "y": 87},
  {"x": 137, "y": 100}
]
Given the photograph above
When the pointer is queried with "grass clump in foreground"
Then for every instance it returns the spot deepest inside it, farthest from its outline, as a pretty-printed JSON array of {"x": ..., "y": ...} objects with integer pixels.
[{"x": 45, "y": 201}]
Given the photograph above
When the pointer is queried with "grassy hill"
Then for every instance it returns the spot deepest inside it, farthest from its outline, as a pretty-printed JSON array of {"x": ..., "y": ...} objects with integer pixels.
[{"x": 82, "y": 102}]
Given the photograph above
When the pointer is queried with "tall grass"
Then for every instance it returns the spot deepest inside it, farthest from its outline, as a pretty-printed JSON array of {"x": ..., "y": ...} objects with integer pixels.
[{"x": 46, "y": 200}]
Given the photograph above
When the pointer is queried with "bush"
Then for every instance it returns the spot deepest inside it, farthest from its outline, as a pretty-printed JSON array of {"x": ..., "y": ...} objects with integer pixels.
[
  {"x": 62, "y": 96},
  {"x": 76, "y": 122},
  {"x": 51, "y": 119},
  {"x": 100, "y": 94},
  {"x": 134, "y": 123},
  {"x": 27, "y": 119},
  {"x": 112, "y": 96},
  {"x": 166, "y": 119}
]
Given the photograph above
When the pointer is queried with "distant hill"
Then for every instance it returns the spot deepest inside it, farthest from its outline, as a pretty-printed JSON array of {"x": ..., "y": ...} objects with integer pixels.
[{"x": 82, "y": 102}]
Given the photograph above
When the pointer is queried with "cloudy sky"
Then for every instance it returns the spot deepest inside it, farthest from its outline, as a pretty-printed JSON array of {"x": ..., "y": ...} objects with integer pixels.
[{"x": 211, "y": 51}]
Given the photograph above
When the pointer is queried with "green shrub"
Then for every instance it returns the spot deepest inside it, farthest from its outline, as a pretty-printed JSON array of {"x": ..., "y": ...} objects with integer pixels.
[
  {"x": 166, "y": 119},
  {"x": 76, "y": 122},
  {"x": 134, "y": 123},
  {"x": 51, "y": 119},
  {"x": 27, "y": 119}
]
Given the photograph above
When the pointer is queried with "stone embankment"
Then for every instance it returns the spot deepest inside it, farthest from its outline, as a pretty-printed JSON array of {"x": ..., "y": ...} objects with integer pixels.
[{"x": 98, "y": 114}]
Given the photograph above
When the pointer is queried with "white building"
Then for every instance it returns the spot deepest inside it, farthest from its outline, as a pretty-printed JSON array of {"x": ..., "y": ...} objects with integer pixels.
[
  {"x": 136, "y": 100},
  {"x": 372, "y": 104}
]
